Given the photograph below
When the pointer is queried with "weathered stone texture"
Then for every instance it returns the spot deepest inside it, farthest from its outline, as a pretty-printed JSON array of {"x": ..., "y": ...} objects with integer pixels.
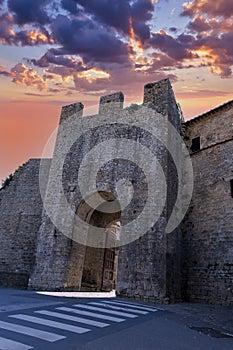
[
  {"x": 149, "y": 269},
  {"x": 208, "y": 229},
  {"x": 20, "y": 208},
  {"x": 111, "y": 102}
]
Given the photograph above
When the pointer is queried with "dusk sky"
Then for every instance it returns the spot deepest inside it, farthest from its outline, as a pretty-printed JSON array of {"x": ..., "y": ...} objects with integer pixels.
[{"x": 56, "y": 52}]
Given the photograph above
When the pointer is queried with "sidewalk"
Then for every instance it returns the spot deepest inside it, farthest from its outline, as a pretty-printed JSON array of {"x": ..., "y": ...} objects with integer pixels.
[
  {"x": 19, "y": 299},
  {"x": 215, "y": 316}
]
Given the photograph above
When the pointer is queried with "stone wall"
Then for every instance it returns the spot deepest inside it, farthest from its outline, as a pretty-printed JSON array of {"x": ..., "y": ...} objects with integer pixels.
[
  {"x": 208, "y": 227},
  {"x": 20, "y": 218},
  {"x": 59, "y": 261}
]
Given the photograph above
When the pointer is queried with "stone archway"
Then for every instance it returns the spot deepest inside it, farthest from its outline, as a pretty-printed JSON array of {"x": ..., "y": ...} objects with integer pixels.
[
  {"x": 100, "y": 264},
  {"x": 97, "y": 267}
]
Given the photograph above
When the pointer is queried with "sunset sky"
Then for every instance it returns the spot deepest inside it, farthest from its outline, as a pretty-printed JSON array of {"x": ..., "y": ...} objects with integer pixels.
[{"x": 56, "y": 52}]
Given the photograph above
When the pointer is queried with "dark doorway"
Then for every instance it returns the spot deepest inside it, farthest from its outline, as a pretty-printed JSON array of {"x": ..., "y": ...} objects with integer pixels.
[{"x": 100, "y": 264}]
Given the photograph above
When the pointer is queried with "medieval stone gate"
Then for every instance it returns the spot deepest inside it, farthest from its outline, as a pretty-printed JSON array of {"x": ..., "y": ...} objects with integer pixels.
[{"x": 147, "y": 267}]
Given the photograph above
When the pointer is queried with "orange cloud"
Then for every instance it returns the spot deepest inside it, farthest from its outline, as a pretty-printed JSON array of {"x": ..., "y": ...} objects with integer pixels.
[
  {"x": 207, "y": 26},
  {"x": 35, "y": 37},
  {"x": 222, "y": 8},
  {"x": 216, "y": 58},
  {"x": 135, "y": 45},
  {"x": 11, "y": 35},
  {"x": 27, "y": 76}
]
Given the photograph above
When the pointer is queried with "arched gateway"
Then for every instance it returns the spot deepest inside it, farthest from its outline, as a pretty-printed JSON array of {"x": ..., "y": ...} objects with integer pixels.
[{"x": 81, "y": 251}]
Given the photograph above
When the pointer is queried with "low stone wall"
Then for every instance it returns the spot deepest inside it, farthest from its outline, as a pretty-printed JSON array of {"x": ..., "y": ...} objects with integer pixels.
[{"x": 20, "y": 218}]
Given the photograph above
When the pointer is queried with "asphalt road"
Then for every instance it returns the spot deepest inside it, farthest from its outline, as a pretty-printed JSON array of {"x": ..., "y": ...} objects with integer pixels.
[{"x": 33, "y": 321}]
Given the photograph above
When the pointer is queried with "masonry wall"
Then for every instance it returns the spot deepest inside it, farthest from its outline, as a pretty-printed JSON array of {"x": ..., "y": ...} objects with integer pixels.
[
  {"x": 58, "y": 260},
  {"x": 208, "y": 227},
  {"x": 20, "y": 217}
]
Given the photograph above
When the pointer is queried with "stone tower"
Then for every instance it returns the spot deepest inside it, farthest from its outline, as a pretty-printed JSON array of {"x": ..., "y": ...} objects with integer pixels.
[{"x": 148, "y": 266}]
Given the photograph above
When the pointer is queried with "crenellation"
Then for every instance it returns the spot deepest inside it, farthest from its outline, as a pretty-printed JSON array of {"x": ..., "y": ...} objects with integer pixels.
[
  {"x": 156, "y": 95},
  {"x": 111, "y": 103},
  {"x": 70, "y": 110}
]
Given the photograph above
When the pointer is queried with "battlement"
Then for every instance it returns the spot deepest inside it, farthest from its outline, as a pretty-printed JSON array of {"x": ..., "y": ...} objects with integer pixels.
[
  {"x": 69, "y": 110},
  {"x": 157, "y": 95},
  {"x": 113, "y": 102}
]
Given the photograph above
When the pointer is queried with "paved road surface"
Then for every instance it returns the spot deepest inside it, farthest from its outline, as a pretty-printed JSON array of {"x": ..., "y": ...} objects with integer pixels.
[{"x": 47, "y": 323}]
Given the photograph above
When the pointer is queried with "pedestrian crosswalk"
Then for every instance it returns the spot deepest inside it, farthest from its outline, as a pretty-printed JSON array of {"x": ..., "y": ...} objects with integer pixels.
[
  {"x": 60, "y": 322},
  {"x": 91, "y": 314},
  {"x": 32, "y": 332},
  {"x": 8, "y": 344},
  {"x": 104, "y": 310},
  {"x": 120, "y": 308},
  {"x": 73, "y": 318}
]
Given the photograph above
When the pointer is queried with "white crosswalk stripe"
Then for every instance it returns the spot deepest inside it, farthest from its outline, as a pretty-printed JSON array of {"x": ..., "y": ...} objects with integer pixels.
[
  {"x": 53, "y": 324},
  {"x": 112, "y": 312},
  {"x": 91, "y": 314},
  {"x": 7, "y": 344},
  {"x": 73, "y": 318},
  {"x": 140, "y": 312},
  {"x": 51, "y": 337},
  {"x": 131, "y": 305},
  {"x": 98, "y": 314}
]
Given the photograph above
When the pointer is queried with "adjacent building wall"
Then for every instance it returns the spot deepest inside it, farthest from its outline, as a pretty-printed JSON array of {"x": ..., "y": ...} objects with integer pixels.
[{"x": 208, "y": 227}]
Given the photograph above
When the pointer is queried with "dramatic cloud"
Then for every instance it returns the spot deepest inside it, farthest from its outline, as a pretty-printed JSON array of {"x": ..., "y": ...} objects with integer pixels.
[
  {"x": 208, "y": 26},
  {"x": 70, "y": 6},
  {"x": 211, "y": 7},
  {"x": 50, "y": 57},
  {"x": 218, "y": 52},
  {"x": 200, "y": 24},
  {"x": 6, "y": 28},
  {"x": 86, "y": 38},
  {"x": 22, "y": 75},
  {"x": 211, "y": 25},
  {"x": 121, "y": 14},
  {"x": 174, "y": 48},
  {"x": 94, "y": 45},
  {"x": 28, "y": 11},
  {"x": 31, "y": 37}
]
